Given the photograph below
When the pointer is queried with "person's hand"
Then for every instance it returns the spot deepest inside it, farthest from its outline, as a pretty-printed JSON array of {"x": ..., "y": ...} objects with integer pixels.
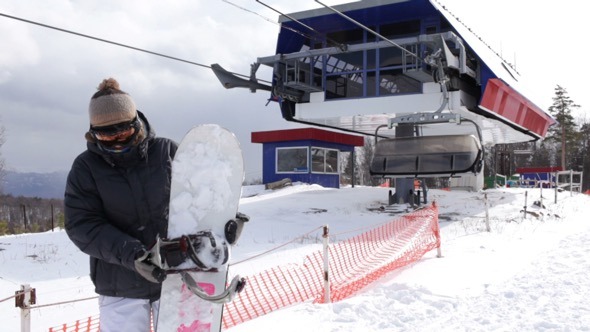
[
  {"x": 233, "y": 228},
  {"x": 145, "y": 267}
]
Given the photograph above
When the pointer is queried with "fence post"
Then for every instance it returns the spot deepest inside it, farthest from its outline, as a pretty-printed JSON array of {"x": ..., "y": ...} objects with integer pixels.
[
  {"x": 437, "y": 231},
  {"x": 526, "y": 194},
  {"x": 485, "y": 199},
  {"x": 326, "y": 265},
  {"x": 23, "y": 299},
  {"x": 52, "y": 218},
  {"x": 556, "y": 185},
  {"x": 571, "y": 182}
]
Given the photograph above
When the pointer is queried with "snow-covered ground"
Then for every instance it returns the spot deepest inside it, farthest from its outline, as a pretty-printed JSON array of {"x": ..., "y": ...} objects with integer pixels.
[{"x": 527, "y": 274}]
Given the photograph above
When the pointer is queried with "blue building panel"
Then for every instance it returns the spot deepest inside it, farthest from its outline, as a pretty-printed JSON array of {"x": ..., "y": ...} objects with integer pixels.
[{"x": 302, "y": 172}]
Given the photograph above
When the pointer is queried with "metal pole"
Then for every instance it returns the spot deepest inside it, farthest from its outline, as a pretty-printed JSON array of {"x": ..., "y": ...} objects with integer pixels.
[
  {"x": 326, "y": 265},
  {"x": 485, "y": 199}
]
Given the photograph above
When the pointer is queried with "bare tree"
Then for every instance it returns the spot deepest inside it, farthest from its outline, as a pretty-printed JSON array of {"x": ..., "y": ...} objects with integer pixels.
[{"x": 364, "y": 161}]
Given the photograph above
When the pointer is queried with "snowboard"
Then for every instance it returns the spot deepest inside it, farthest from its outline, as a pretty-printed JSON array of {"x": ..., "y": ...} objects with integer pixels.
[{"x": 207, "y": 176}]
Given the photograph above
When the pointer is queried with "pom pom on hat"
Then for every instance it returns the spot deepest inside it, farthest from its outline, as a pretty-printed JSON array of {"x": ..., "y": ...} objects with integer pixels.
[{"x": 110, "y": 105}]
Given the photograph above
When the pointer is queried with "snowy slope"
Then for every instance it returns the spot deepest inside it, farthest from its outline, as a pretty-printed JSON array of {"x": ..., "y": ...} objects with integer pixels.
[{"x": 525, "y": 275}]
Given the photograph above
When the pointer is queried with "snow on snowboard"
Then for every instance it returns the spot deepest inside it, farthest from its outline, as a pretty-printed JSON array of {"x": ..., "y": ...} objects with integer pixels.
[{"x": 207, "y": 175}]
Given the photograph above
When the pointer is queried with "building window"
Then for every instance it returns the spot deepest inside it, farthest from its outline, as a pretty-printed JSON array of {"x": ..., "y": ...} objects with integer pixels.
[
  {"x": 292, "y": 160},
  {"x": 344, "y": 85},
  {"x": 394, "y": 81},
  {"x": 324, "y": 160}
]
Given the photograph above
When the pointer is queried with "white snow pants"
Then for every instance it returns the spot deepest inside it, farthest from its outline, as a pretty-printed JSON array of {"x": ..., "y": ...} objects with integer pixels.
[{"x": 124, "y": 314}]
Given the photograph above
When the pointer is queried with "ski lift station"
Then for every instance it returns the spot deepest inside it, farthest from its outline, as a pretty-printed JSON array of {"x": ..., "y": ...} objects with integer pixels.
[{"x": 406, "y": 73}]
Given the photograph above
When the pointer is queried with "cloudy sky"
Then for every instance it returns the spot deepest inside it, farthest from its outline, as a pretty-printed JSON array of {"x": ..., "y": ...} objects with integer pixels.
[{"x": 47, "y": 77}]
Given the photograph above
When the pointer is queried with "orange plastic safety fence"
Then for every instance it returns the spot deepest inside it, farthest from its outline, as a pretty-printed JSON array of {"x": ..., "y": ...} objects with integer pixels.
[
  {"x": 359, "y": 261},
  {"x": 353, "y": 264},
  {"x": 90, "y": 324}
]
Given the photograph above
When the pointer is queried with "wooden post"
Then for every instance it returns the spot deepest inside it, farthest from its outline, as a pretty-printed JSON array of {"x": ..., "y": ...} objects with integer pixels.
[
  {"x": 52, "y": 219},
  {"x": 23, "y": 299},
  {"x": 556, "y": 186},
  {"x": 278, "y": 184},
  {"x": 437, "y": 232},
  {"x": 485, "y": 199},
  {"x": 353, "y": 175},
  {"x": 24, "y": 215},
  {"x": 526, "y": 193},
  {"x": 326, "y": 265}
]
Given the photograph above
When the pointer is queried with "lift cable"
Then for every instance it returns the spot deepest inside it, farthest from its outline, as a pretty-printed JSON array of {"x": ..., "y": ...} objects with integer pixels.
[
  {"x": 368, "y": 29},
  {"x": 271, "y": 21},
  {"x": 114, "y": 43},
  {"x": 340, "y": 45}
]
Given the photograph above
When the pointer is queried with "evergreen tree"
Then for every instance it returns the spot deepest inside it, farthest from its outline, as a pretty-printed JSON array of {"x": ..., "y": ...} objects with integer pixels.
[
  {"x": 1, "y": 160},
  {"x": 543, "y": 154},
  {"x": 585, "y": 147},
  {"x": 564, "y": 134}
]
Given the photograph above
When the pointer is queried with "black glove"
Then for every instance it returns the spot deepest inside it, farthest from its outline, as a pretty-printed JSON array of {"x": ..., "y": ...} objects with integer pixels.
[
  {"x": 233, "y": 228},
  {"x": 174, "y": 252},
  {"x": 145, "y": 267}
]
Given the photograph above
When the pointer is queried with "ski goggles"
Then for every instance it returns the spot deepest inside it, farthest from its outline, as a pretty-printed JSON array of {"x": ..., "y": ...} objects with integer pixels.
[{"x": 120, "y": 133}]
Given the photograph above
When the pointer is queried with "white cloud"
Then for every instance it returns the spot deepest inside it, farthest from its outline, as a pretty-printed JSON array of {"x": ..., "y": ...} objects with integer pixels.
[{"x": 47, "y": 76}]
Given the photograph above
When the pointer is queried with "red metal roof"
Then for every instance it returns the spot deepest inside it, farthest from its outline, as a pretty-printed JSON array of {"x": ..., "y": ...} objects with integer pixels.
[
  {"x": 501, "y": 99},
  {"x": 548, "y": 169},
  {"x": 306, "y": 134}
]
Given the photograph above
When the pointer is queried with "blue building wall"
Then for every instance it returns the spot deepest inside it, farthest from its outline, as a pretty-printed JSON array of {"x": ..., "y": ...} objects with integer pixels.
[{"x": 269, "y": 173}]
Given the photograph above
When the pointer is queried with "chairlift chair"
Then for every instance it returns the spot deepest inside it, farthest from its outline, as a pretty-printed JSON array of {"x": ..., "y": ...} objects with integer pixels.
[{"x": 428, "y": 156}]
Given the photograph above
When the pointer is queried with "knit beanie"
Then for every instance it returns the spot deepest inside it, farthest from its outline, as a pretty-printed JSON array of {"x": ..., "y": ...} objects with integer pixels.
[{"x": 109, "y": 105}]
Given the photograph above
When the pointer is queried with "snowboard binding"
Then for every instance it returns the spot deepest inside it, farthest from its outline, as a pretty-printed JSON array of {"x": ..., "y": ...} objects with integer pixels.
[
  {"x": 205, "y": 250},
  {"x": 233, "y": 228}
]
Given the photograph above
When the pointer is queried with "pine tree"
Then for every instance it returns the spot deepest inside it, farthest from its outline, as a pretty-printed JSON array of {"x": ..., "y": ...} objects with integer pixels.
[
  {"x": 1, "y": 160},
  {"x": 563, "y": 134},
  {"x": 585, "y": 147}
]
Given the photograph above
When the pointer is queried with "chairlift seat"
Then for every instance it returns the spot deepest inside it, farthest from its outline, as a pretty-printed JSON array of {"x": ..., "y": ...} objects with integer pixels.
[{"x": 444, "y": 155}]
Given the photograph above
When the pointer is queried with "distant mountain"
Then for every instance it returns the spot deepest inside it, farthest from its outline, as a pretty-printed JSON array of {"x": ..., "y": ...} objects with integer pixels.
[{"x": 43, "y": 185}]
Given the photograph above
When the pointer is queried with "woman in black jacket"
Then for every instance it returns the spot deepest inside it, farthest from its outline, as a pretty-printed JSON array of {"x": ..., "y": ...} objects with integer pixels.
[{"x": 116, "y": 205}]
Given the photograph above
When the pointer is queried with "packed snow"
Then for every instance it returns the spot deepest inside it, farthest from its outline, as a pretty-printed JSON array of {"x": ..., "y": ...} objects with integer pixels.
[
  {"x": 529, "y": 273},
  {"x": 205, "y": 177}
]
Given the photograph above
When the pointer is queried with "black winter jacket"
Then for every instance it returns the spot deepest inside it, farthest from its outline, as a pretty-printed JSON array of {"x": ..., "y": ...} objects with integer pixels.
[{"x": 114, "y": 208}]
